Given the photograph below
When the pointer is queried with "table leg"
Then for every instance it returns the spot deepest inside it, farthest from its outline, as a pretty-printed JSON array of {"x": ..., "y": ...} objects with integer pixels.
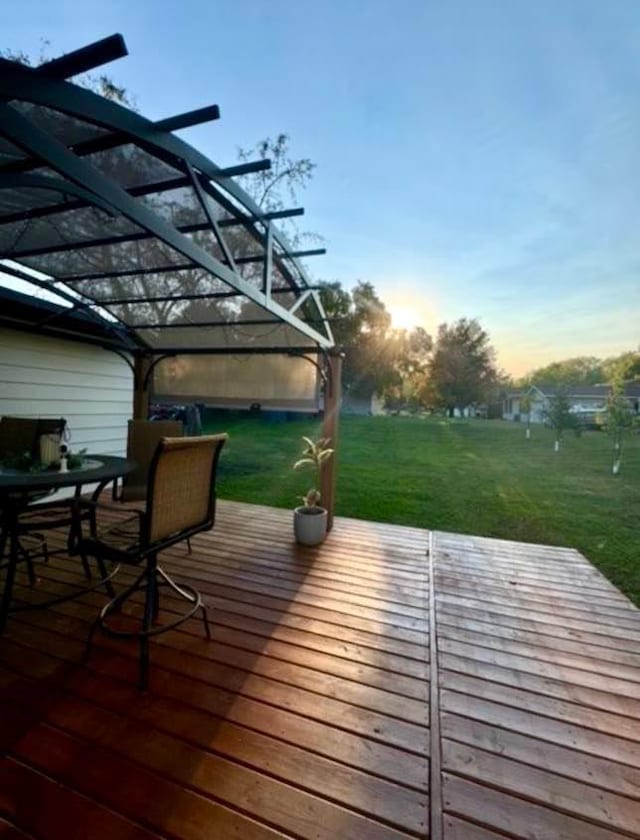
[{"x": 11, "y": 531}]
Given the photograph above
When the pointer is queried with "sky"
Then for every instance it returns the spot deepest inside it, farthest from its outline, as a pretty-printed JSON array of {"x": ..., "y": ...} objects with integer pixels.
[{"x": 475, "y": 158}]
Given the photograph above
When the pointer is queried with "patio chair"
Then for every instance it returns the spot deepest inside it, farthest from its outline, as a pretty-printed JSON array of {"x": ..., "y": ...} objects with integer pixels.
[
  {"x": 180, "y": 503},
  {"x": 20, "y": 436},
  {"x": 143, "y": 437}
]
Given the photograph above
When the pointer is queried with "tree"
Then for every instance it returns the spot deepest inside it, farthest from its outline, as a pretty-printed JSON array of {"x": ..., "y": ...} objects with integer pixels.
[
  {"x": 378, "y": 359},
  {"x": 413, "y": 352},
  {"x": 361, "y": 331},
  {"x": 277, "y": 188},
  {"x": 97, "y": 82},
  {"x": 558, "y": 415},
  {"x": 580, "y": 370},
  {"x": 622, "y": 368},
  {"x": 461, "y": 370},
  {"x": 619, "y": 419}
]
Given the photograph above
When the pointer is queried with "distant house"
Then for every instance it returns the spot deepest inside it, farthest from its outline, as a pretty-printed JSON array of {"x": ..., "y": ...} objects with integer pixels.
[{"x": 583, "y": 399}]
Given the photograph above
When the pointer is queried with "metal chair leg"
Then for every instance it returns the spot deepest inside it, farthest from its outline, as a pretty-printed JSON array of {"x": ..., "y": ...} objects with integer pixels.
[
  {"x": 156, "y": 601},
  {"x": 8, "y": 583},
  {"x": 150, "y": 602},
  {"x": 31, "y": 572},
  {"x": 103, "y": 573},
  {"x": 86, "y": 566},
  {"x": 205, "y": 619}
]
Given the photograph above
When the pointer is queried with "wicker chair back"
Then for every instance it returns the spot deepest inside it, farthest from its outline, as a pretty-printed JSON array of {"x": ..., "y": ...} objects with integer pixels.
[
  {"x": 143, "y": 437},
  {"x": 181, "y": 494}
]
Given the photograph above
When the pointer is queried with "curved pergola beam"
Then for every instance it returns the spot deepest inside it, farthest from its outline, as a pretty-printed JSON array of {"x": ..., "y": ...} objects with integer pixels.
[
  {"x": 25, "y": 83},
  {"x": 45, "y": 182},
  {"x": 25, "y": 135}
]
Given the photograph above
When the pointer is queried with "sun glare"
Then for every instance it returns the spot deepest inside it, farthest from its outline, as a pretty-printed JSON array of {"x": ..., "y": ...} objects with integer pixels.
[{"x": 404, "y": 317}]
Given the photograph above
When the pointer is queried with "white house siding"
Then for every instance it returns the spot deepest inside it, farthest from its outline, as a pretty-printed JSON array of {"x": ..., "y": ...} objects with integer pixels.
[{"x": 49, "y": 377}]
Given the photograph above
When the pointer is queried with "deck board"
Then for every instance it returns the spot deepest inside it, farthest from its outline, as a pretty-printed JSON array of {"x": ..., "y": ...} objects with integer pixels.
[
  {"x": 539, "y": 702},
  {"x": 344, "y": 694}
]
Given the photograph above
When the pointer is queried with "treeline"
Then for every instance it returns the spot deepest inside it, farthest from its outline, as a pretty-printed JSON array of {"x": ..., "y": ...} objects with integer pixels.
[
  {"x": 408, "y": 367},
  {"x": 585, "y": 370}
]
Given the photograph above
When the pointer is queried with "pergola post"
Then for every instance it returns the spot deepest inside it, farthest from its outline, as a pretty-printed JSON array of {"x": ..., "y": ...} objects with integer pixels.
[
  {"x": 141, "y": 366},
  {"x": 330, "y": 424}
]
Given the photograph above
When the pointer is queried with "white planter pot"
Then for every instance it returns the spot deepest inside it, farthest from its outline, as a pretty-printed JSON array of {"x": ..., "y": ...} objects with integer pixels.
[{"x": 310, "y": 525}]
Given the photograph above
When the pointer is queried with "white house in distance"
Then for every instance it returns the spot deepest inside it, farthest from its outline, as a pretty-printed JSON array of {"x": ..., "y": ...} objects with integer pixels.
[{"x": 583, "y": 399}]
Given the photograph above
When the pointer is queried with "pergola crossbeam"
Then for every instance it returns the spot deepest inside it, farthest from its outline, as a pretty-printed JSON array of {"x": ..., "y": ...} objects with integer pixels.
[
  {"x": 252, "y": 322},
  {"x": 187, "y": 297},
  {"x": 209, "y": 113},
  {"x": 138, "y": 237},
  {"x": 153, "y": 188},
  {"x": 29, "y": 137},
  {"x": 174, "y": 267},
  {"x": 86, "y": 58},
  {"x": 110, "y": 186},
  {"x": 113, "y": 139}
]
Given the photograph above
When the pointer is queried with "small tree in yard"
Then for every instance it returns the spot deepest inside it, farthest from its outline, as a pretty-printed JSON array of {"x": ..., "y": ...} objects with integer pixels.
[
  {"x": 619, "y": 418},
  {"x": 560, "y": 418},
  {"x": 526, "y": 403}
]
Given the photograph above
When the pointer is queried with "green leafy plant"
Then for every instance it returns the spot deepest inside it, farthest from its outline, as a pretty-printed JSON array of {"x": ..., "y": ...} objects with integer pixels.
[
  {"x": 76, "y": 459},
  {"x": 24, "y": 462},
  {"x": 619, "y": 419},
  {"x": 559, "y": 416},
  {"x": 314, "y": 456}
]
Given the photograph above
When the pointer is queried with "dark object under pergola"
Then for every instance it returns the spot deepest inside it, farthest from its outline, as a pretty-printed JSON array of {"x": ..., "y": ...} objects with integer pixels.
[{"x": 148, "y": 245}]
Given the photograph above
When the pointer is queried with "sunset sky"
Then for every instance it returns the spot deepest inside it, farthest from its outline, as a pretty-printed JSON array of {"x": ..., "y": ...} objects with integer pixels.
[{"x": 474, "y": 157}]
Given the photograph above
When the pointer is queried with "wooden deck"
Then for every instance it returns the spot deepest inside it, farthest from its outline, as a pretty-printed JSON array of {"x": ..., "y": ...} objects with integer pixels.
[{"x": 311, "y": 713}]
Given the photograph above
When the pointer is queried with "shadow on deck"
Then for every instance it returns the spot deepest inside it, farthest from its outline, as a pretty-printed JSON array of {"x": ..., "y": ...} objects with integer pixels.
[{"x": 309, "y": 713}]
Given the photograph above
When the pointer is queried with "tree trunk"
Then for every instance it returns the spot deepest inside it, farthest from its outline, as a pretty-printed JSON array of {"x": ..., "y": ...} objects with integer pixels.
[{"x": 556, "y": 446}]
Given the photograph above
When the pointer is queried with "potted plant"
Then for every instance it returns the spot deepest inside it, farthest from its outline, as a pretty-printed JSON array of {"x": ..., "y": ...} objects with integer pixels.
[{"x": 310, "y": 518}]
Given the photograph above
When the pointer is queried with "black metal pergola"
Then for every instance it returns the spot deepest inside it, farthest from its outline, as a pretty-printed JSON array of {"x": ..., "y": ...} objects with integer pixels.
[
  {"x": 150, "y": 248},
  {"x": 135, "y": 228}
]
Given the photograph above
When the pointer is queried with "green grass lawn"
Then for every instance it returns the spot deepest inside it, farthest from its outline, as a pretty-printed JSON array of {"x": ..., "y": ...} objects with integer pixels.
[{"x": 475, "y": 477}]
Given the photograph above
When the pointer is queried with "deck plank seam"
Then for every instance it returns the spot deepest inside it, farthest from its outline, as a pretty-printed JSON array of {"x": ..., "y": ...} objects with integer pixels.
[
  {"x": 204, "y": 792},
  {"x": 313, "y": 752},
  {"x": 539, "y": 767},
  {"x": 543, "y": 739},
  {"x": 591, "y": 650},
  {"x": 585, "y": 668},
  {"x": 540, "y": 803},
  {"x": 571, "y": 702},
  {"x": 393, "y": 743},
  {"x": 540, "y": 627},
  {"x": 435, "y": 751}
]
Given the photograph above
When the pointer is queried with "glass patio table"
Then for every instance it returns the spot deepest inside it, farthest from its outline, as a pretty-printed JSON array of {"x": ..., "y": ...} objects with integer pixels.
[{"x": 17, "y": 490}]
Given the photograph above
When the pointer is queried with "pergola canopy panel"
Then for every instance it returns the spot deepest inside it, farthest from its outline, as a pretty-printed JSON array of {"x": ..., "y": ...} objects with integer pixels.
[
  {"x": 278, "y": 381},
  {"x": 64, "y": 127},
  {"x": 135, "y": 222}
]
